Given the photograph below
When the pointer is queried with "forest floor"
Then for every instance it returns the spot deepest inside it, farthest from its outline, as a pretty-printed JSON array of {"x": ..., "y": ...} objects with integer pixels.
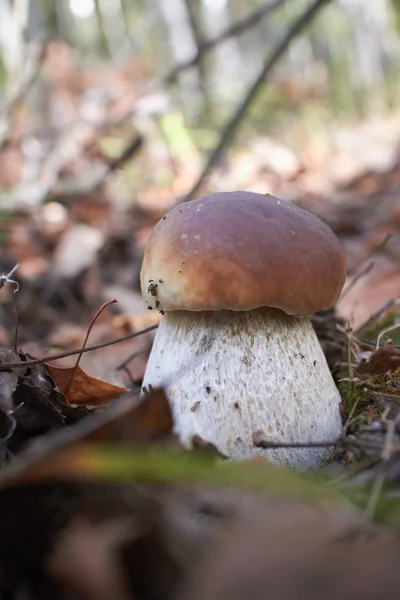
[{"x": 97, "y": 499}]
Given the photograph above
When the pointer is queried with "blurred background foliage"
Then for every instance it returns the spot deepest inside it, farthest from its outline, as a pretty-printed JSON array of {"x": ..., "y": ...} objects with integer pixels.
[
  {"x": 348, "y": 56},
  {"x": 112, "y": 110},
  {"x": 344, "y": 63}
]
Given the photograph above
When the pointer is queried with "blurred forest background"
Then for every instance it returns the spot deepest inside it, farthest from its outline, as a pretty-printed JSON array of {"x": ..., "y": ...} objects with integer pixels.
[{"x": 113, "y": 110}]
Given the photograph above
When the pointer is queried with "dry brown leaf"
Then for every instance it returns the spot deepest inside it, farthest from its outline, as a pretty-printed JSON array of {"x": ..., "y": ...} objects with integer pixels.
[
  {"x": 72, "y": 454},
  {"x": 381, "y": 361},
  {"x": 83, "y": 389},
  {"x": 149, "y": 420}
]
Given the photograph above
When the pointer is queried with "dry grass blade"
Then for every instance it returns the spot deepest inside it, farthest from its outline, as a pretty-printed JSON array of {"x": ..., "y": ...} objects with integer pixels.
[
  {"x": 380, "y": 478},
  {"x": 384, "y": 331}
]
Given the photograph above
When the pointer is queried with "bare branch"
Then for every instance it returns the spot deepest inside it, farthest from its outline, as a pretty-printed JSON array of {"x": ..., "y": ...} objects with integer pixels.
[
  {"x": 37, "y": 361},
  {"x": 230, "y": 129},
  {"x": 250, "y": 20}
]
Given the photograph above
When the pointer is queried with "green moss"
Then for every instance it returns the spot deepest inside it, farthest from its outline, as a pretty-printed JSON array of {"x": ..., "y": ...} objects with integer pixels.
[
  {"x": 372, "y": 331},
  {"x": 354, "y": 399}
]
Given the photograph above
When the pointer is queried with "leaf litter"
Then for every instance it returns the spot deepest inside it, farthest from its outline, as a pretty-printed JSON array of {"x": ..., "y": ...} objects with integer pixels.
[
  {"x": 97, "y": 498},
  {"x": 119, "y": 505}
]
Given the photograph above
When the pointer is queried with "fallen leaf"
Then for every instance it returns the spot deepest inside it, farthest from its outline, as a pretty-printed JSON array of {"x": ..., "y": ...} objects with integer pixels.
[
  {"x": 29, "y": 402},
  {"x": 149, "y": 420},
  {"x": 381, "y": 361},
  {"x": 83, "y": 389}
]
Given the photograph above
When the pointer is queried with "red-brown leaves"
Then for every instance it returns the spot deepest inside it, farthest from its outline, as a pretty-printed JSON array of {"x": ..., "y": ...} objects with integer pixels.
[{"x": 80, "y": 388}]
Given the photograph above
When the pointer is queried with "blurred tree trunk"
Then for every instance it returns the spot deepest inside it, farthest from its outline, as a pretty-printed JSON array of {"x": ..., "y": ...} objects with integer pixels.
[
  {"x": 194, "y": 21},
  {"x": 373, "y": 42},
  {"x": 113, "y": 27},
  {"x": 183, "y": 45},
  {"x": 10, "y": 39},
  {"x": 57, "y": 18},
  {"x": 102, "y": 37},
  {"x": 228, "y": 59},
  {"x": 36, "y": 20}
]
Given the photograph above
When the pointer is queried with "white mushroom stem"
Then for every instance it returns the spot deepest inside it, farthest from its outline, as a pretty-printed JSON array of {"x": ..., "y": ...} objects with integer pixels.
[{"x": 229, "y": 375}]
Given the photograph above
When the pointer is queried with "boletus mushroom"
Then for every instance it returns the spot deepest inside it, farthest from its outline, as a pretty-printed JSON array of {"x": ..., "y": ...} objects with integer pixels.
[{"x": 236, "y": 274}]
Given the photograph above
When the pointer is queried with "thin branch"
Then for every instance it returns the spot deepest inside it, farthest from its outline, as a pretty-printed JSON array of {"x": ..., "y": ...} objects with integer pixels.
[
  {"x": 230, "y": 129},
  {"x": 250, "y": 20},
  {"x": 238, "y": 28},
  {"x": 38, "y": 361},
  {"x": 345, "y": 443},
  {"x": 131, "y": 149},
  {"x": 377, "y": 487},
  {"x": 384, "y": 331},
  {"x": 370, "y": 254},
  {"x": 378, "y": 314},
  {"x": 122, "y": 366},
  {"x": 367, "y": 269},
  {"x": 265, "y": 445}
]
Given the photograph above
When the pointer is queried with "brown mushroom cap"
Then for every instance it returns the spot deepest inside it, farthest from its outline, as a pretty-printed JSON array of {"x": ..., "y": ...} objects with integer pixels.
[{"x": 240, "y": 251}]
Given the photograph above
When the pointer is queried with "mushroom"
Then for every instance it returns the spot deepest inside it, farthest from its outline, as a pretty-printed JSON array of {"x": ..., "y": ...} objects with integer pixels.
[{"x": 237, "y": 274}]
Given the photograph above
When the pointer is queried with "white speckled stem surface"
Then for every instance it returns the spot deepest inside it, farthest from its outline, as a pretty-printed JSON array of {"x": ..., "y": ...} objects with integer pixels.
[{"x": 231, "y": 374}]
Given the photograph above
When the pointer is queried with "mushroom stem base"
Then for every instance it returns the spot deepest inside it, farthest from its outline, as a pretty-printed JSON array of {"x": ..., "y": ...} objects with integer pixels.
[{"x": 230, "y": 375}]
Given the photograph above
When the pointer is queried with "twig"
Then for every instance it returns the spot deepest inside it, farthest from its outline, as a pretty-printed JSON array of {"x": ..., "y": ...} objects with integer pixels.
[
  {"x": 132, "y": 382},
  {"x": 357, "y": 278},
  {"x": 376, "y": 492},
  {"x": 269, "y": 445},
  {"x": 247, "y": 22},
  {"x": 380, "y": 478},
  {"x": 92, "y": 322},
  {"x": 236, "y": 119},
  {"x": 370, "y": 254},
  {"x": 382, "y": 396},
  {"x": 238, "y": 28},
  {"x": 129, "y": 152},
  {"x": 38, "y": 361},
  {"x": 7, "y": 278},
  {"x": 348, "y": 333},
  {"x": 351, "y": 414},
  {"x": 250, "y": 20},
  {"x": 125, "y": 363},
  {"x": 377, "y": 315},
  {"x": 345, "y": 442},
  {"x": 386, "y": 330}
]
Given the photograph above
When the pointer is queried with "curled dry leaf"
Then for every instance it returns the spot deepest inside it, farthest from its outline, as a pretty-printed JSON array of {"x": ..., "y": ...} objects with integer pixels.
[{"x": 81, "y": 388}]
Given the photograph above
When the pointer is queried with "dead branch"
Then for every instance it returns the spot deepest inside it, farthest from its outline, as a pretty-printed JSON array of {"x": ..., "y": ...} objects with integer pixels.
[
  {"x": 230, "y": 129},
  {"x": 37, "y": 361},
  {"x": 250, "y": 20}
]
